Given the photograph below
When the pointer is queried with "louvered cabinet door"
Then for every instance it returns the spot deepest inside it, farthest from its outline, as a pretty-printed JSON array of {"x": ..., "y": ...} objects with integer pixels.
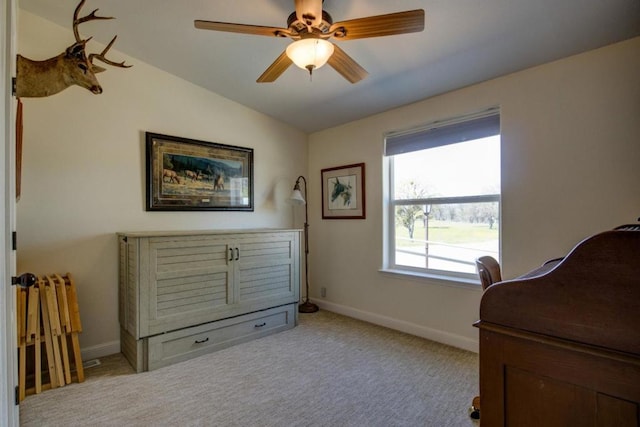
[
  {"x": 267, "y": 269},
  {"x": 185, "y": 280}
]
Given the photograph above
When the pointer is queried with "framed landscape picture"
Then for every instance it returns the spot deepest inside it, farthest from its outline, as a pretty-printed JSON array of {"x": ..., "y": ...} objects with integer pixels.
[
  {"x": 190, "y": 175},
  {"x": 343, "y": 192}
]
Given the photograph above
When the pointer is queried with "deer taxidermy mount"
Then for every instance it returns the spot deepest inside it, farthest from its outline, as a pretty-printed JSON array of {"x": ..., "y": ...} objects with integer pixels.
[
  {"x": 311, "y": 27},
  {"x": 72, "y": 67}
]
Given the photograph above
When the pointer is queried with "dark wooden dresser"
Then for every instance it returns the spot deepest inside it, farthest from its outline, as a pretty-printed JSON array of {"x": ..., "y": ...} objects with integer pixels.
[{"x": 560, "y": 346}]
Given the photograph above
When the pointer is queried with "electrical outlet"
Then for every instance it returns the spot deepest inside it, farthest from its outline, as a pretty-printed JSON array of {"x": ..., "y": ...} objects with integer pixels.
[{"x": 323, "y": 292}]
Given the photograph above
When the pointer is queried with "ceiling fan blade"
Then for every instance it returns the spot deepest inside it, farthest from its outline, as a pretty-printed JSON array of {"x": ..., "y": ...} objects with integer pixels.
[
  {"x": 346, "y": 66},
  {"x": 276, "y": 69},
  {"x": 309, "y": 11},
  {"x": 241, "y": 28},
  {"x": 411, "y": 21}
]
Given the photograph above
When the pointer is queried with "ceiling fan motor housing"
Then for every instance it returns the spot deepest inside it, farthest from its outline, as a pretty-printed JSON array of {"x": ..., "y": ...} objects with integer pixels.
[{"x": 295, "y": 25}]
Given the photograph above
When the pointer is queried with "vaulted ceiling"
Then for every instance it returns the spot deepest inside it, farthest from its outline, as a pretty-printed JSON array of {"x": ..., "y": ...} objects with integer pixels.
[{"x": 464, "y": 42}]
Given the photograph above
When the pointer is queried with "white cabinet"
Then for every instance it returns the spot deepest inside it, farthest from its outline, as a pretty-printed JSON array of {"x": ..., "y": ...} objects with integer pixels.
[{"x": 183, "y": 294}]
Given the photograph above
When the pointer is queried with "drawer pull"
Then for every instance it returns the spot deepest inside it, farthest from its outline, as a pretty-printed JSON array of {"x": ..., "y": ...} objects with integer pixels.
[
  {"x": 230, "y": 254},
  {"x": 202, "y": 341},
  {"x": 260, "y": 325},
  {"x": 237, "y": 254}
]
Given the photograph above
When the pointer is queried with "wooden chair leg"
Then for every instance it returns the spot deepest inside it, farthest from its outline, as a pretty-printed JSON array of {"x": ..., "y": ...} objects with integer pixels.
[
  {"x": 51, "y": 364},
  {"x": 63, "y": 312},
  {"x": 38, "y": 347},
  {"x": 33, "y": 333},
  {"x": 77, "y": 356},
  {"x": 64, "y": 349},
  {"x": 76, "y": 325},
  {"x": 65, "y": 321},
  {"x": 54, "y": 322}
]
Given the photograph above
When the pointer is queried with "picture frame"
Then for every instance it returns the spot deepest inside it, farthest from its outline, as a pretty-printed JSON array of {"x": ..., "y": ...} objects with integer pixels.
[
  {"x": 343, "y": 192},
  {"x": 191, "y": 175}
]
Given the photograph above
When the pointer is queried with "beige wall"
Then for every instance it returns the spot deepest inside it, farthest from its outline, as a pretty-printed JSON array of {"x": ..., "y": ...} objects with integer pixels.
[
  {"x": 83, "y": 171},
  {"x": 570, "y": 168}
]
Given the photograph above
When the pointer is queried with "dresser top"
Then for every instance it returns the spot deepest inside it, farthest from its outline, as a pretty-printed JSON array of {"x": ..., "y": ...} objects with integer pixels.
[{"x": 203, "y": 232}]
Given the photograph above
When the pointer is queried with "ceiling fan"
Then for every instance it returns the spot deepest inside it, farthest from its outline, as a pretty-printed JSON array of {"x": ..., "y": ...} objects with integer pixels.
[{"x": 310, "y": 27}]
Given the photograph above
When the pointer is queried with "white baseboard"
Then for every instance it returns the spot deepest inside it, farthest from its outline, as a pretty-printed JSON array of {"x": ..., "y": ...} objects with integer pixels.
[
  {"x": 453, "y": 340},
  {"x": 402, "y": 326},
  {"x": 100, "y": 350}
]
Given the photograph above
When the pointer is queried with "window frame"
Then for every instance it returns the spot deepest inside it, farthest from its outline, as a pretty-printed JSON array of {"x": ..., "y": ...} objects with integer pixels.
[{"x": 389, "y": 228}]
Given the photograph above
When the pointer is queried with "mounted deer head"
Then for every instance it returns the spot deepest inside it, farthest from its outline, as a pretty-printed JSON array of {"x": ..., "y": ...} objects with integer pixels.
[{"x": 71, "y": 67}]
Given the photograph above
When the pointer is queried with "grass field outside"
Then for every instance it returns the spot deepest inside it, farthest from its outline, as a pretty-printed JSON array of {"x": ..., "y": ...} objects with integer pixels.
[
  {"x": 452, "y": 245},
  {"x": 449, "y": 232}
]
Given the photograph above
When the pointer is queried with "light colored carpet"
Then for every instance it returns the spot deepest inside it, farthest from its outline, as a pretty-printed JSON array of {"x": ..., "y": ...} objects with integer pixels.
[{"x": 331, "y": 370}]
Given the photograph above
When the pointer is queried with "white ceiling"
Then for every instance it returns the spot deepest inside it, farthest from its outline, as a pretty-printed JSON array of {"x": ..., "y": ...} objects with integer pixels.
[{"x": 464, "y": 42}]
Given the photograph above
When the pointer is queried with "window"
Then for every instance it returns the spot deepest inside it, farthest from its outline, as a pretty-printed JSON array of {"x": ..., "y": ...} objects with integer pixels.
[{"x": 444, "y": 196}]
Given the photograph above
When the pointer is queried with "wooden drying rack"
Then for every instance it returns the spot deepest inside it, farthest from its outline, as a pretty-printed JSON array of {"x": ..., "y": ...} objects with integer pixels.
[{"x": 49, "y": 312}]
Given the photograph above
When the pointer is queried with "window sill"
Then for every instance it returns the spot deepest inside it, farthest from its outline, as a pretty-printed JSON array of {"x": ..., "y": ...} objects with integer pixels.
[{"x": 458, "y": 282}]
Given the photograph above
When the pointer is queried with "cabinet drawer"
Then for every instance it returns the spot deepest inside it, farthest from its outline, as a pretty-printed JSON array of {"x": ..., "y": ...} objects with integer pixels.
[{"x": 187, "y": 343}]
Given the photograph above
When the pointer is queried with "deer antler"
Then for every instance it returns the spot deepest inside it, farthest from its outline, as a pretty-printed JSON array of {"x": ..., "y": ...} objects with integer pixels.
[
  {"x": 102, "y": 54},
  {"x": 92, "y": 17}
]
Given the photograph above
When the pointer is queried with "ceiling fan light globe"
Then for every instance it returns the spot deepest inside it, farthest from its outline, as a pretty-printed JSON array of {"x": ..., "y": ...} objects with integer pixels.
[{"x": 310, "y": 53}]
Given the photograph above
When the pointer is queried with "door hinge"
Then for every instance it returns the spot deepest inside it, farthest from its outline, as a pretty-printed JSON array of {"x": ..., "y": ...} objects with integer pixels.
[
  {"x": 14, "y": 86},
  {"x": 14, "y": 241},
  {"x": 17, "y": 395}
]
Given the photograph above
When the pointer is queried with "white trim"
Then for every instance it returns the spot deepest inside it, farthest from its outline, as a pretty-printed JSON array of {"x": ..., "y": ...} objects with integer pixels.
[
  {"x": 472, "y": 283},
  {"x": 9, "y": 411},
  {"x": 100, "y": 350},
  {"x": 402, "y": 326}
]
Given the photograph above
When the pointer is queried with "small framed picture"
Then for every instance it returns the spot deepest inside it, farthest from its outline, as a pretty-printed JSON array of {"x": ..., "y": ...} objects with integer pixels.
[
  {"x": 343, "y": 192},
  {"x": 189, "y": 175}
]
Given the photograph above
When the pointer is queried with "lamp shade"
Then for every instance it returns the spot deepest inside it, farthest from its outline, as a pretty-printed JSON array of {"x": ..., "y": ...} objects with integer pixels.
[
  {"x": 296, "y": 197},
  {"x": 310, "y": 53}
]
